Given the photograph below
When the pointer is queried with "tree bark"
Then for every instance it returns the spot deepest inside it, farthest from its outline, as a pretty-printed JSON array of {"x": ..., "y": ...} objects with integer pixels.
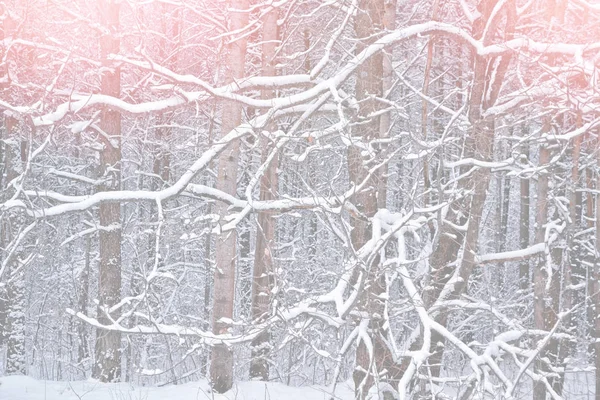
[
  {"x": 14, "y": 328},
  {"x": 262, "y": 279},
  {"x": 425, "y": 104},
  {"x": 571, "y": 267},
  {"x": 369, "y": 22},
  {"x": 107, "y": 367},
  {"x": 524, "y": 279},
  {"x": 12, "y": 314},
  {"x": 479, "y": 144},
  {"x": 595, "y": 284},
  {"x": 221, "y": 367},
  {"x": 389, "y": 23},
  {"x": 540, "y": 275},
  {"x": 82, "y": 327}
]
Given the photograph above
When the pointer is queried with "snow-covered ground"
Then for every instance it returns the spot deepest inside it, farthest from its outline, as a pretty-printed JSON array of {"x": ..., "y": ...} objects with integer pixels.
[
  {"x": 25, "y": 388},
  {"x": 579, "y": 386}
]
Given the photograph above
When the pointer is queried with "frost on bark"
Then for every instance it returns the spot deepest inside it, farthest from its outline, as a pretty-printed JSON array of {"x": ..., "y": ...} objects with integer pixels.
[
  {"x": 262, "y": 278},
  {"x": 107, "y": 367},
  {"x": 221, "y": 366}
]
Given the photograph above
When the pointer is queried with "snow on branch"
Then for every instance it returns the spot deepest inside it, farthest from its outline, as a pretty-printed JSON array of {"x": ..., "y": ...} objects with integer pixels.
[{"x": 514, "y": 255}]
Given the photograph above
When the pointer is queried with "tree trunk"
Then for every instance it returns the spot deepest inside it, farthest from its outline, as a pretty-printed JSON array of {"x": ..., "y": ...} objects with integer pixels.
[
  {"x": 524, "y": 279},
  {"x": 84, "y": 279},
  {"x": 595, "y": 285},
  {"x": 425, "y": 104},
  {"x": 107, "y": 367},
  {"x": 540, "y": 275},
  {"x": 12, "y": 294},
  {"x": 369, "y": 22},
  {"x": 14, "y": 328},
  {"x": 208, "y": 283},
  {"x": 389, "y": 23},
  {"x": 221, "y": 367},
  {"x": 571, "y": 267},
  {"x": 478, "y": 144},
  {"x": 262, "y": 279}
]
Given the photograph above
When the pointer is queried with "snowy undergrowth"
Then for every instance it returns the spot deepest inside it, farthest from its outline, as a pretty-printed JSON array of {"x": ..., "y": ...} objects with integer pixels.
[{"x": 26, "y": 388}]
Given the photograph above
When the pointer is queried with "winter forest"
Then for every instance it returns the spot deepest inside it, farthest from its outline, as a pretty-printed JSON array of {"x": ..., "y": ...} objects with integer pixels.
[{"x": 300, "y": 199}]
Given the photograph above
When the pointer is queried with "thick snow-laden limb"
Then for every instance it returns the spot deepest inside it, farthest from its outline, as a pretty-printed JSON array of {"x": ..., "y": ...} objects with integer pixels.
[
  {"x": 573, "y": 134},
  {"x": 398, "y": 225},
  {"x": 587, "y": 5},
  {"x": 428, "y": 324},
  {"x": 79, "y": 103},
  {"x": 109, "y": 228},
  {"x": 161, "y": 195},
  {"x": 552, "y": 232},
  {"x": 155, "y": 327},
  {"x": 80, "y": 203},
  {"x": 247, "y": 83},
  {"x": 479, "y": 163},
  {"x": 482, "y": 364},
  {"x": 511, "y": 323},
  {"x": 76, "y": 177},
  {"x": 158, "y": 147},
  {"x": 513, "y": 255}
]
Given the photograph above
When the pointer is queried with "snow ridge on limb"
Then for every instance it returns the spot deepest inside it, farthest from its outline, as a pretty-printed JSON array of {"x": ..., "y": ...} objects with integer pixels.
[{"x": 80, "y": 103}]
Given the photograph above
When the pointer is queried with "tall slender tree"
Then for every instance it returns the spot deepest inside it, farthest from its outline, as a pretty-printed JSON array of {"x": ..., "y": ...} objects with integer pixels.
[
  {"x": 221, "y": 366},
  {"x": 594, "y": 283},
  {"x": 371, "y": 361},
  {"x": 524, "y": 187},
  {"x": 451, "y": 272},
  {"x": 424, "y": 104},
  {"x": 107, "y": 367},
  {"x": 11, "y": 225},
  {"x": 262, "y": 280},
  {"x": 12, "y": 315},
  {"x": 540, "y": 275}
]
